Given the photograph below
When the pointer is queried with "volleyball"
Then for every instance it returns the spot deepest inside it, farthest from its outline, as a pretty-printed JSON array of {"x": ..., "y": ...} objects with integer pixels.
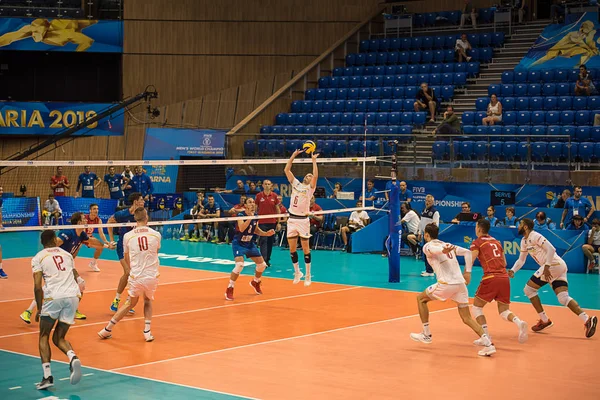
[{"x": 309, "y": 146}]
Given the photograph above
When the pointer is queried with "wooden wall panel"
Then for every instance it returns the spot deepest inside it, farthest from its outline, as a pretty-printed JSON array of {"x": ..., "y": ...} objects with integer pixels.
[
  {"x": 245, "y": 103},
  {"x": 210, "y": 109},
  {"x": 193, "y": 110},
  {"x": 245, "y": 10},
  {"x": 227, "y": 105}
]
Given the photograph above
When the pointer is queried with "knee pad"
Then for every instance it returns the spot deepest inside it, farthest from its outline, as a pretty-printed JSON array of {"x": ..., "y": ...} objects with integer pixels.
[
  {"x": 477, "y": 311},
  {"x": 505, "y": 314},
  {"x": 530, "y": 292},
  {"x": 239, "y": 266},
  {"x": 564, "y": 298},
  {"x": 294, "y": 257},
  {"x": 307, "y": 258},
  {"x": 261, "y": 267}
]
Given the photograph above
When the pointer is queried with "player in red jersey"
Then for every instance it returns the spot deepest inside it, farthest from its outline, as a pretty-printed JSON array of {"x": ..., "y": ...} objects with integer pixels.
[
  {"x": 495, "y": 284},
  {"x": 92, "y": 219}
]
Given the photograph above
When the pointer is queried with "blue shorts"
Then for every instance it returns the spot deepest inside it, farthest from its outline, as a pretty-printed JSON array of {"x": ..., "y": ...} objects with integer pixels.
[
  {"x": 120, "y": 253},
  {"x": 245, "y": 251}
]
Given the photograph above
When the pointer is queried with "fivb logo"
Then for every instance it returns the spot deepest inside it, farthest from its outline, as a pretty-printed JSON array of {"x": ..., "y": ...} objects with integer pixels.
[{"x": 418, "y": 189}]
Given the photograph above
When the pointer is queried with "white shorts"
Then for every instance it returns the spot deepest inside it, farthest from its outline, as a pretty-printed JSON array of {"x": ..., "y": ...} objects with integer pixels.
[
  {"x": 61, "y": 309},
  {"x": 441, "y": 291},
  {"x": 143, "y": 286},
  {"x": 559, "y": 273},
  {"x": 298, "y": 227}
]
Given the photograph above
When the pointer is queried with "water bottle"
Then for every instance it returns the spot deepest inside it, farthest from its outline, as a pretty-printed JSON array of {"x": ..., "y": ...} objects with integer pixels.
[
  {"x": 168, "y": 233},
  {"x": 175, "y": 232}
]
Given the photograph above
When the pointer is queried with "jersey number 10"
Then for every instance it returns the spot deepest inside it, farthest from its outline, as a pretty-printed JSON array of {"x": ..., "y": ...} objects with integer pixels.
[{"x": 143, "y": 243}]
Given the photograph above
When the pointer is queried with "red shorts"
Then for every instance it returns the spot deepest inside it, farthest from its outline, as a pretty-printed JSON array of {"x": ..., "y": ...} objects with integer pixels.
[{"x": 494, "y": 288}]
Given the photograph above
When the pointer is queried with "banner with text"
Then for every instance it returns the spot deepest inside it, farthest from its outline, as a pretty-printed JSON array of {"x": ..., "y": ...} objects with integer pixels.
[
  {"x": 36, "y": 118},
  {"x": 47, "y": 34},
  {"x": 20, "y": 211}
]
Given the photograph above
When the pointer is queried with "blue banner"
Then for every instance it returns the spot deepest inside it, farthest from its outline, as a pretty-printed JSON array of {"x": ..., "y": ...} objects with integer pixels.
[
  {"x": 71, "y": 205},
  {"x": 36, "y": 118},
  {"x": 568, "y": 244},
  {"x": 172, "y": 143},
  {"x": 566, "y": 45},
  {"x": 394, "y": 240},
  {"x": 20, "y": 211},
  {"x": 49, "y": 34}
]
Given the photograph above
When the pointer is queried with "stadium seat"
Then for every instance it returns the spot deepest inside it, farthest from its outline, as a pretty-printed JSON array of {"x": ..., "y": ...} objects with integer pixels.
[
  {"x": 593, "y": 102},
  {"x": 464, "y": 149},
  {"x": 523, "y": 117},
  {"x": 538, "y": 151},
  {"x": 494, "y": 89},
  {"x": 561, "y": 75},
  {"x": 550, "y": 103},
  {"x": 479, "y": 116},
  {"x": 468, "y": 118},
  {"x": 340, "y": 148},
  {"x": 585, "y": 152},
  {"x": 480, "y": 150},
  {"x": 569, "y": 130},
  {"x": 524, "y": 130},
  {"x": 549, "y": 89},
  {"x": 509, "y": 150},
  {"x": 469, "y": 129},
  {"x": 583, "y": 117},
  {"x": 520, "y": 76},
  {"x": 482, "y": 102},
  {"x": 447, "y": 93},
  {"x": 538, "y": 130},
  {"x": 563, "y": 89},
  {"x": 522, "y": 103},
  {"x": 552, "y": 117},
  {"x": 509, "y": 131},
  {"x": 538, "y": 117},
  {"x": 508, "y": 77},
  {"x": 582, "y": 133},
  {"x": 567, "y": 117},
  {"x": 520, "y": 89},
  {"x": 509, "y": 118},
  {"x": 497, "y": 39},
  {"x": 508, "y": 103},
  {"x": 555, "y": 151},
  {"x": 482, "y": 130},
  {"x": 547, "y": 76},
  {"x": 250, "y": 149},
  {"x": 579, "y": 103},
  {"x": 495, "y": 150},
  {"x": 536, "y": 103},
  {"x": 565, "y": 103},
  {"x": 533, "y": 77}
]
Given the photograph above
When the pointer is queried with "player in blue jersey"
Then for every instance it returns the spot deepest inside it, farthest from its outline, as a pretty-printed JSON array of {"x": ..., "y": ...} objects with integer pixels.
[
  {"x": 70, "y": 240},
  {"x": 127, "y": 215},
  {"x": 116, "y": 183},
  {"x": 244, "y": 244},
  {"x": 87, "y": 183}
]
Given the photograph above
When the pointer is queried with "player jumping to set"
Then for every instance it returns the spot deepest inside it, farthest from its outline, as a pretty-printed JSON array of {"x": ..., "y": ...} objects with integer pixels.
[
  {"x": 495, "y": 284},
  {"x": 60, "y": 297},
  {"x": 140, "y": 247},
  {"x": 553, "y": 270},
  {"x": 243, "y": 244},
  {"x": 450, "y": 285},
  {"x": 299, "y": 224}
]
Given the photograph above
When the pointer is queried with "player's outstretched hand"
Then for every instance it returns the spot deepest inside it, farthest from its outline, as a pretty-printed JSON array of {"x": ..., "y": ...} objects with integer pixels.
[
  {"x": 298, "y": 151},
  {"x": 467, "y": 276},
  {"x": 511, "y": 273},
  {"x": 314, "y": 156},
  {"x": 448, "y": 249}
]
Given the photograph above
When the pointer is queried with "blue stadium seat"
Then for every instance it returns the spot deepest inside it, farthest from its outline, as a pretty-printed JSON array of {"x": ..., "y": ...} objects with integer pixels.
[
  {"x": 473, "y": 39},
  {"x": 573, "y": 74},
  {"x": 371, "y": 59},
  {"x": 582, "y": 133},
  {"x": 405, "y": 43},
  {"x": 340, "y": 105},
  {"x": 496, "y": 131},
  {"x": 358, "y": 118},
  {"x": 482, "y": 102},
  {"x": 475, "y": 54},
  {"x": 480, "y": 150},
  {"x": 486, "y": 15},
  {"x": 448, "y": 55},
  {"x": 567, "y": 117},
  {"x": 522, "y": 103},
  {"x": 355, "y": 148},
  {"x": 494, "y": 89},
  {"x": 593, "y": 102},
  {"x": 371, "y": 118},
  {"x": 250, "y": 148},
  {"x": 508, "y": 77},
  {"x": 410, "y": 92},
  {"x": 482, "y": 130},
  {"x": 538, "y": 117},
  {"x": 520, "y": 89},
  {"x": 327, "y": 106},
  {"x": 321, "y": 130},
  {"x": 583, "y": 117},
  {"x": 361, "y": 105},
  {"x": 469, "y": 129},
  {"x": 536, "y": 103},
  {"x": 498, "y": 39},
  {"x": 406, "y": 118},
  {"x": 509, "y": 150},
  {"x": 438, "y": 56},
  {"x": 405, "y": 130},
  {"x": 301, "y": 118},
  {"x": 415, "y": 43},
  {"x": 561, "y": 75},
  {"x": 553, "y": 130},
  {"x": 464, "y": 149},
  {"x": 344, "y": 129},
  {"x": 552, "y": 117},
  {"x": 579, "y": 103},
  {"x": 339, "y": 71},
  {"x": 391, "y": 69},
  {"x": 538, "y": 130},
  {"x": 539, "y": 151},
  {"x": 296, "y": 106},
  {"x": 534, "y": 89},
  {"x": 340, "y": 148},
  {"x": 564, "y": 89},
  {"x": 436, "y": 68},
  {"x": 565, "y": 103},
  {"x": 508, "y": 104},
  {"x": 373, "y": 106},
  {"x": 440, "y": 150},
  {"x": 280, "y": 119},
  {"x": 523, "y": 150},
  {"x": 334, "y": 118},
  {"x": 447, "y": 93},
  {"x": 585, "y": 152},
  {"x": 373, "y": 148},
  {"x": 277, "y": 129},
  {"x": 419, "y": 118},
  {"x": 468, "y": 118},
  {"x": 454, "y": 17},
  {"x": 415, "y": 57},
  {"x": 550, "y": 103},
  {"x": 450, "y": 41},
  {"x": 523, "y": 130},
  {"x": 479, "y": 116},
  {"x": 520, "y": 76},
  {"x": 394, "y": 118},
  {"x": 472, "y": 69},
  {"x": 485, "y": 39},
  {"x": 408, "y": 105},
  {"x": 265, "y": 129},
  {"x": 549, "y": 89},
  {"x": 439, "y": 42},
  {"x": 382, "y": 118},
  {"x": 485, "y": 54},
  {"x": 534, "y": 77},
  {"x": 460, "y": 79},
  {"x": 323, "y": 118},
  {"x": 547, "y": 76},
  {"x": 555, "y": 151},
  {"x": 569, "y": 130},
  {"x": 509, "y": 118},
  {"x": 385, "y": 105},
  {"x": 523, "y": 117},
  {"x": 427, "y": 56},
  {"x": 495, "y": 150}
]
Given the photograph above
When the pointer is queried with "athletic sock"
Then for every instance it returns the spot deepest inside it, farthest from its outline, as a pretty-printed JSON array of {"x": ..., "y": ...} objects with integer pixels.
[
  {"x": 118, "y": 296},
  {"x": 231, "y": 283},
  {"x": 70, "y": 354},
  {"x": 543, "y": 316},
  {"x": 307, "y": 266},
  {"x": 256, "y": 279},
  {"x": 47, "y": 370},
  {"x": 485, "y": 330},
  {"x": 110, "y": 325},
  {"x": 147, "y": 326},
  {"x": 426, "y": 330},
  {"x": 296, "y": 268},
  {"x": 486, "y": 339},
  {"x": 516, "y": 321},
  {"x": 32, "y": 306},
  {"x": 584, "y": 317}
]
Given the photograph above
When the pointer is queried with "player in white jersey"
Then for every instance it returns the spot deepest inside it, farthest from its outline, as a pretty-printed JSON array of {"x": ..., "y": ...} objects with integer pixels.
[
  {"x": 140, "y": 246},
  {"x": 60, "y": 297},
  {"x": 299, "y": 223},
  {"x": 553, "y": 269},
  {"x": 450, "y": 285}
]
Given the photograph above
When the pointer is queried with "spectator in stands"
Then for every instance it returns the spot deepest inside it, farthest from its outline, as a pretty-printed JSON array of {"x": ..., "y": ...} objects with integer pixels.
[
  {"x": 491, "y": 216},
  {"x": 142, "y": 183},
  {"x": 468, "y": 12},
  {"x": 253, "y": 190},
  {"x": 59, "y": 182},
  {"x": 522, "y": 8},
  {"x": 426, "y": 100},
  {"x": 211, "y": 210},
  {"x": 369, "y": 191},
  {"x": 543, "y": 223},
  {"x": 410, "y": 220},
  {"x": 52, "y": 211},
  {"x": 240, "y": 189},
  {"x": 336, "y": 188},
  {"x": 228, "y": 228},
  {"x": 510, "y": 220},
  {"x": 267, "y": 203},
  {"x": 584, "y": 85},
  {"x": 357, "y": 221},
  {"x": 557, "y": 11},
  {"x": 576, "y": 205},
  {"x": 465, "y": 209},
  {"x": 562, "y": 199},
  {"x": 127, "y": 175},
  {"x": 494, "y": 112},
  {"x": 406, "y": 195},
  {"x": 593, "y": 244},
  {"x": 316, "y": 221},
  {"x": 461, "y": 48},
  {"x": 88, "y": 182},
  {"x": 577, "y": 224},
  {"x": 450, "y": 125}
]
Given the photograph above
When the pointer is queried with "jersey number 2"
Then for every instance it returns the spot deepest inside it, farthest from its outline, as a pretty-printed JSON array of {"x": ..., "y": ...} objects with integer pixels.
[
  {"x": 58, "y": 261},
  {"x": 143, "y": 243},
  {"x": 496, "y": 250}
]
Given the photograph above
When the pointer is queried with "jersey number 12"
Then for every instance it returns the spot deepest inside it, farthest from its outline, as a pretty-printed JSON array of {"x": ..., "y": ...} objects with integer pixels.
[{"x": 58, "y": 261}]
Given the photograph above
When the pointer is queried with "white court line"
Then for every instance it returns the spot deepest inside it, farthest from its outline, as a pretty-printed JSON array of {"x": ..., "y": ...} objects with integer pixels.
[
  {"x": 281, "y": 340},
  {"x": 64, "y": 379},
  {"x": 198, "y": 310},
  {"x": 91, "y": 373},
  {"x": 14, "y": 388},
  {"x": 135, "y": 376},
  {"x": 113, "y": 289}
]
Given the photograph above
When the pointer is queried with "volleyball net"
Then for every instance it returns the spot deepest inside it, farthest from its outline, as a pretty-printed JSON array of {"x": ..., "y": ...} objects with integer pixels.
[{"x": 173, "y": 188}]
